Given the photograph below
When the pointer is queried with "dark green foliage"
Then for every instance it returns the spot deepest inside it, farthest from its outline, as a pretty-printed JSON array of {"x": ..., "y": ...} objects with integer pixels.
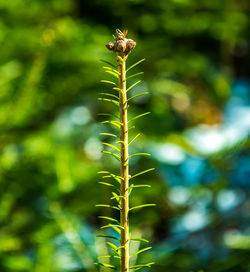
[{"x": 196, "y": 52}]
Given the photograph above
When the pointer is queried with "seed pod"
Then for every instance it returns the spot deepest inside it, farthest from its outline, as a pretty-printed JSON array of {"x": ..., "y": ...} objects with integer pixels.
[
  {"x": 130, "y": 44},
  {"x": 110, "y": 46},
  {"x": 120, "y": 46}
]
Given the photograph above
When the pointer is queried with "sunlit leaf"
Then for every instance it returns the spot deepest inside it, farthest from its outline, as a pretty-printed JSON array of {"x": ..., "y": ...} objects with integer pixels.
[
  {"x": 106, "y": 183},
  {"x": 103, "y": 172},
  {"x": 121, "y": 59},
  {"x": 137, "y": 82},
  {"x": 117, "y": 89},
  {"x": 134, "y": 75},
  {"x": 111, "y": 95},
  {"x": 107, "y": 206},
  {"x": 110, "y": 69},
  {"x": 112, "y": 73},
  {"x": 117, "y": 197},
  {"x": 109, "y": 82},
  {"x": 138, "y": 116},
  {"x": 141, "y": 186},
  {"x": 140, "y": 251},
  {"x": 142, "y": 172},
  {"x": 110, "y": 145},
  {"x": 109, "y": 218},
  {"x": 113, "y": 246},
  {"x": 114, "y": 123},
  {"x": 112, "y": 154},
  {"x": 107, "y": 134},
  {"x": 138, "y": 95},
  {"x": 105, "y": 257},
  {"x": 140, "y": 266},
  {"x": 132, "y": 66},
  {"x": 114, "y": 227},
  {"x": 139, "y": 240},
  {"x": 109, "y": 100},
  {"x": 142, "y": 206},
  {"x": 134, "y": 138},
  {"x": 105, "y": 265},
  {"x": 139, "y": 154},
  {"x": 119, "y": 142}
]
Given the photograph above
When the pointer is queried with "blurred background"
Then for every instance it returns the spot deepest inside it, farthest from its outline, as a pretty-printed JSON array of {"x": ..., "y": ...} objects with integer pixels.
[{"x": 197, "y": 73}]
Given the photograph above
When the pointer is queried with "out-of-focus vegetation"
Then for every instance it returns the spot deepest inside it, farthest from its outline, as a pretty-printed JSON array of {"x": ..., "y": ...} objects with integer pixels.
[{"x": 197, "y": 59}]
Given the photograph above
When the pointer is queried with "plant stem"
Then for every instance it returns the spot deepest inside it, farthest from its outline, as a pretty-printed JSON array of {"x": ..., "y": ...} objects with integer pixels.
[{"x": 124, "y": 241}]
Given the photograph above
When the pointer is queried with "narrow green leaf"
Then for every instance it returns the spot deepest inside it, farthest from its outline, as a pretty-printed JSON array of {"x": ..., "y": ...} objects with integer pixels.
[
  {"x": 117, "y": 89},
  {"x": 103, "y": 172},
  {"x": 114, "y": 123},
  {"x": 117, "y": 197},
  {"x": 134, "y": 138},
  {"x": 109, "y": 218},
  {"x": 107, "y": 236},
  {"x": 138, "y": 116},
  {"x": 109, "y": 63},
  {"x": 105, "y": 265},
  {"x": 142, "y": 206},
  {"x": 139, "y": 240},
  {"x": 111, "y": 225},
  {"x": 137, "y": 95},
  {"x": 108, "y": 172},
  {"x": 105, "y": 114},
  {"x": 112, "y": 245},
  {"x": 109, "y": 82},
  {"x": 119, "y": 142},
  {"x": 111, "y": 69},
  {"x": 140, "y": 251},
  {"x": 111, "y": 95},
  {"x": 141, "y": 186},
  {"x": 141, "y": 265},
  {"x": 121, "y": 59},
  {"x": 132, "y": 66},
  {"x": 137, "y": 82},
  {"x": 133, "y": 75},
  {"x": 115, "y": 177},
  {"x": 142, "y": 172},
  {"x": 109, "y": 100},
  {"x": 112, "y": 73},
  {"x": 108, "y": 134},
  {"x": 107, "y": 206},
  {"x": 112, "y": 154},
  {"x": 104, "y": 257},
  {"x": 139, "y": 154},
  {"x": 121, "y": 247},
  {"x": 114, "y": 227},
  {"x": 106, "y": 183},
  {"x": 110, "y": 145},
  {"x": 132, "y": 186}
]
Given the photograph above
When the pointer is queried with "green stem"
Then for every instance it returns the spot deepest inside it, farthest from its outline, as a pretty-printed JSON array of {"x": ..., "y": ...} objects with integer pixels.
[{"x": 124, "y": 241}]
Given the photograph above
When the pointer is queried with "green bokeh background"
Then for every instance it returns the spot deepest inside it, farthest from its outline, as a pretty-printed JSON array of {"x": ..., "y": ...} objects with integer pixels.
[{"x": 197, "y": 73}]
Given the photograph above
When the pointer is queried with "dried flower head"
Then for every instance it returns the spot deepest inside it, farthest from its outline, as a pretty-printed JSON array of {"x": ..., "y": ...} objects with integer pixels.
[{"x": 121, "y": 46}]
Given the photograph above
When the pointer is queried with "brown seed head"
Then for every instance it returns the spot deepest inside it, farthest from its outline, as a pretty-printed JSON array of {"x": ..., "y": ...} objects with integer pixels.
[
  {"x": 130, "y": 44},
  {"x": 121, "y": 46},
  {"x": 110, "y": 46}
]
